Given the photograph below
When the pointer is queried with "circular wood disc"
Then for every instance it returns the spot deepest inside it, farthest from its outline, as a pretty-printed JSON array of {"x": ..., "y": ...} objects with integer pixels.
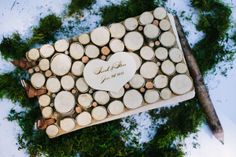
[
  {"x": 149, "y": 70},
  {"x": 181, "y": 68},
  {"x": 147, "y": 53},
  {"x": 161, "y": 81},
  {"x": 53, "y": 85},
  {"x": 99, "y": 113},
  {"x": 137, "y": 59},
  {"x": 84, "y": 118},
  {"x": 48, "y": 73},
  {"x": 151, "y": 31},
  {"x": 132, "y": 99},
  {"x": 100, "y": 36},
  {"x": 161, "y": 53},
  {"x": 116, "y": 45},
  {"x": 133, "y": 41},
  {"x": 168, "y": 67},
  {"x": 165, "y": 25},
  {"x": 33, "y": 54},
  {"x": 67, "y": 82},
  {"x": 61, "y": 45},
  {"x": 44, "y": 64},
  {"x": 67, "y": 124},
  {"x": 77, "y": 68},
  {"x": 146, "y": 18},
  {"x": 60, "y": 64},
  {"x": 116, "y": 107},
  {"x": 176, "y": 55},
  {"x": 76, "y": 50},
  {"x": 85, "y": 100},
  {"x": 47, "y": 112},
  {"x": 92, "y": 51},
  {"x": 81, "y": 85},
  {"x": 117, "y": 30},
  {"x": 181, "y": 84},
  {"x": 101, "y": 97},
  {"x": 46, "y": 51},
  {"x": 151, "y": 96},
  {"x": 44, "y": 100},
  {"x": 167, "y": 39},
  {"x": 137, "y": 81},
  {"x": 84, "y": 39},
  {"x": 159, "y": 13},
  {"x": 131, "y": 23},
  {"x": 118, "y": 94},
  {"x": 52, "y": 130},
  {"x": 166, "y": 93},
  {"x": 64, "y": 102},
  {"x": 37, "y": 80}
]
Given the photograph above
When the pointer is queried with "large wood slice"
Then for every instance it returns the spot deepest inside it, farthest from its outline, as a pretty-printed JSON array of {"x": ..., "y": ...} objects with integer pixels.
[
  {"x": 101, "y": 97},
  {"x": 131, "y": 23},
  {"x": 181, "y": 84},
  {"x": 84, "y": 39},
  {"x": 81, "y": 85},
  {"x": 181, "y": 68},
  {"x": 160, "y": 81},
  {"x": 99, "y": 113},
  {"x": 53, "y": 85},
  {"x": 165, "y": 93},
  {"x": 151, "y": 31},
  {"x": 116, "y": 45},
  {"x": 118, "y": 94},
  {"x": 44, "y": 64},
  {"x": 149, "y": 70},
  {"x": 76, "y": 50},
  {"x": 33, "y": 54},
  {"x": 133, "y": 41},
  {"x": 147, "y": 53},
  {"x": 168, "y": 67},
  {"x": 37, "y": 80},
  {"x": 146, "y": 18},
  {"x": 67, "y": 82},
  {"x": 77, "y": 68},
  {"x": 116, "y": 107},
  {"x": 151, "y": 96},
  {"x": 46, "y": 51},
  {"x": 137, "y": 81},
  {"x": 176, "y": 55},
  {"x": 64, "y": 102},
  {"x": 47, "y": 112},
  {"x": 160, "y": 13},
  {"x": 161, "y": 53},
  {"x": 67, "y": 124},
  {"x": 167, "y": 39},
  {"x": 85, "y": 100},
  {"x": 84, "y": 118},
  {"x": 138, "y": 60},
  {"x": 117, "y": 30},
  {"x": 165, "y": 25},
  {"x": 92, "y": 51},
  {"x": 52, "y": 130},
  {"x": 44, "y": 100},
  {"x": 100, "y": 36},
  {"x": 61, "y": 45},
  {"x": 132, "y": 99},
  {"x": 60, "y": 64}
]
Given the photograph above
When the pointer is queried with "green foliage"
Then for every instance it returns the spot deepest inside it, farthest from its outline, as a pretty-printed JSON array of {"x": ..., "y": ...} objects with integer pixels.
[{"x": 78, "y": 5}]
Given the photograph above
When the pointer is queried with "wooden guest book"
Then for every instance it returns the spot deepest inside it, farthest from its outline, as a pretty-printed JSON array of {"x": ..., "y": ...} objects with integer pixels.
[{"x": 112, "y": 72}]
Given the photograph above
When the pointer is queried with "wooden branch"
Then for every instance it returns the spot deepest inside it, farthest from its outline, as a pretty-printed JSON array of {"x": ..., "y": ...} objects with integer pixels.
[{"x": 201, "y": 90}]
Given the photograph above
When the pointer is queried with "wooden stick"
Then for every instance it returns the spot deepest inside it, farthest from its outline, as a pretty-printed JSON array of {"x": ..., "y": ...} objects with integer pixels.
[{"x": 201, "y": 90}]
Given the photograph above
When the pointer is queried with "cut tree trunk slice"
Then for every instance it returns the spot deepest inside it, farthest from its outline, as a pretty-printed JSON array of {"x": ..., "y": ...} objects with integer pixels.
[
  {"x": 146, "y": 18},
  {"x": 61, "y": 45},
  {"x": 67, "y": 124},
  {"x": 168, "y": 67},
  {"x": 67, "y": 82},
  {"x": 147, "y": 53},
  {"x": 48, "y": 73},
  {"x": 149, "y": 70},
  {"x": 165, "y": 25},
  {"x": 151, "y": 31},
  {"x": 176, "y": 55},
  {"x": 133, "y": 41},
  {"x": 37, "y": 80},
  {"x": 151, "y": 44},
  {"x": 64, "y": 102},
  {"x": 52, "y": 130},
  {"x": 161, "y": 53},
  {"x": 138, "y": 60},
  {"x": 117, "y": 30},
  {"x": 99, "y": 113},
  {"x": 77, "y": 68},
  {"x": 33, "y": 54},
  {"x": 166, "y": 93},
  {"x": 84, "y": 118},
  {"x": 84, "y": 39},
  {"x": 101, "y": 97},
  {"x": 151, "y": 96},
  {"x": 160, "y": 13},
  {"x": 116, "y": 45},
  {"x": 160, "y": 81},
  {"x": 181, "y": 84},
  {"x": 100, "y": 36},
  {"x": 167, "y": 39},
  {"x": 36, "y": 69},
  {"x": 53, "y": 85},
  {"x": 60, "y": 64},
  {"x": 181, "y": 68},
  {"x": 133, "y": 99},
  {"x": 131, "y": 23},
  {"x": 76, "y": 50},
  {"x": 44, "y": 64},
  {"x": 81, "y": 85},
  {"x": 47, "y": 112},
  {"x": 31, "y": 70},
  {"x": 92, "y": 51},
  {"x": 137, "y": 81},
  {"x": 44, "y": 100},
  {"x": 85, "y": 100},
  {"x": 118, "y": 94},
  {"x": 115, "y": 107},
  {"x": 46, "y": 51},
  {"x": 105, "y": 51}
]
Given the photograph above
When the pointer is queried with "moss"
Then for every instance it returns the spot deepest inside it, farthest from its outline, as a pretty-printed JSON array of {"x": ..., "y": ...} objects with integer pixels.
[{"x": 78, "y": 5}]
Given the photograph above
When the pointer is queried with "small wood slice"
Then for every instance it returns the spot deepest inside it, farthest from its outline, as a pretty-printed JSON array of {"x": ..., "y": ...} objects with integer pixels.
[
  {"x": 181, "y": 84},
  {"x": 81, "y": 85},
  {"x": 84, "y": 39},
  {"x": 147, "y": 53},
  {"x": 44, "y": 100},
  {"x": 151, "y": 96},
  {"x": 161, "y": 81},
  {"x": 46, "y": 51},
  {"x": 151, "y": 31},
  {"x": 67, "y": 124},
  {"x": 85, "y": 100},
  {"x": 67, "y": 82},
  {"x": 116, "y": 107},
  {"x": 165, "y": 93},
  {"x": 105, "y": 51},
  {"x": 76, "y": 50},
  {"x": 137, "y": 59},
  {"x": 164, "y": 25},
  {"x": 167, "y": 39},
  {"x": 64, "y": 102},
  {"x": 133, "y": 41},
  {"x": 181, "y": 68},
  {"x": 60, "y": 64},
  {"x": 101, "y": 97},
  {"x": 92, "y": 51},
  {"x": 168, "y": 67},
  {"x": 61, "y": 45},
  {"x": 132, "y": 99},
  {"x": 116, "y": 45},
  {"x": 149, "y": 70},
  {"x": 44, "y": 64},
  {"x": 47, "y": 112},
  {"x": 52, "y": 130},
  {"x": 53, "y": 85},
  {"x": 176, "y": 55},
  {"x": 100, "y": 36},
  {"x": 37, "y": 80},
  {"x": 161, "y": 53},
  {"x": 160, "y": 13},
  {"x": 118, "y": 94},
  {"x": 33, "y": 54},
  {"x": 31, "y": 70},
  {"x": 117, "y": 30},
  {"x": 48, "y": 73},
  {"x": 146, "y": 18},
  {"x": 99, "y": 113},
  {"x": 77, "y": 68},
  {"x": 137, "y": 81},
  {"x": 84, "y": 118},
  {"x": 131, "y": 23}
]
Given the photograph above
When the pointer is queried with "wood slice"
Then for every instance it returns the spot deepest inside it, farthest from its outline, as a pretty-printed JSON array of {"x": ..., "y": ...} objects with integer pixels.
[
  {"x": 105, "y": 51},
  {"x": 176, "y": 55},
  {"x": 76, "y": 50},
  {"x": 53, "y": 85},
  {"x": 67, "y": 124},
  {"x": 46, "y": 51},
  {"x": 33, "y": 54},
  {"x": 151, "y": 31},
  {"x": 146, "y": 18},
  {"x": 165, "y": 25},
  {"x": 60, "y": 64},
  {"x": 165, "y": 93},
  {"x": 160, "y": 13},
  {"x": 61, "y": 45},
  {"x": 100, "y": 36},
  {"x": 137, "y": 81},
  {"x": 116, "y": 45},
  {"x": 64, "y": 102},
  {"x": 37, "y": 80},
  {"x": 47, "y": 112},
  {"x": 84, "y": 39},
  {"x": 168, "y": 67},
  {"x": 181, "y": 84},
  {"x": 116, "y": 107},
  {"x": 151, "y": 96},
  {"x": 181, "y": 68},
  {"x": 149, "y": 70},
  {"x": 81, "y": 85},
  {"x": 99, "y": 113},
  {"x": 67, "y": 82},
  {"x": 132, "y": 99},
  {"x": 52, "y": 130},
  {"x": 118, "y": 94},
  {"x": 77, "y": 68},
  {"x": 31, "y": 70},
  {"x": 48, "y": 73},
  {"x": 44, "y": 64},
  {"x": 117, "y": 30},
  {"x": 147, "y": 53},
  {"x": 84, "y": 118},
  {"x": 92, "y": 51},
  {"x": 131, "y": 23},
  {"x": 161, "y": 53},
  {"x": 101, "y": 97},
  {"x": 161, "y": 81},
  {"x": 137, "y": 59},
  {"x": 44, "y": 100},
  {"x": 133, "y": 41},
  {"x": 85, "y": 100},
  {"x": 167, "y": 39}
]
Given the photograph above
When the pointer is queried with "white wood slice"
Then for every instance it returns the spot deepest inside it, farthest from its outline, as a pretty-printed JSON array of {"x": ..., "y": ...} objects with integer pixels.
[
  {"x": 176, "y": 55},
  {"x": 76, "y": 50},
  {"x": 161, "y": 53},
  {"x": 47, "y": 112},
  {"x": 64, "y": 102},
  {"x": 151, "y": 96},
  {"x": 33, "y": 54},
  {"x": 118, "y": 94},
  {"x": 67, "y": 124},
  {"x": 46, "y": 51},
  {"x": 85, "y": 100},
  {"x": 138, "y": 60},
  {"x": 168, "y": 67},
  {"x": 151, "y": 31},
  {"x": 147, "y": 53},
  {"x": 100, "y": 36},
  {"x": 146, "y": 18},
  {"x": 52, "y": 130},
  {"x": 181, "y": 84},
  {"x": 116, "y": 107},
  {"x": 44, "y": 64},
  {"x": 60, "y": 64},
  {"x": 167, "y": 39},
  {"x": 165, "y": 93},
  {"x": 81, "y": 85},
  {"x": 117, "y": 30},
  {"x": 116, "y": 45},
  {"x": 160, "y": 81},
  {"x": 48, "y": 73},
  {"x": 149, "y": 70},
  {"x": 77, "y": 68},
  {"x": 99, "y": 113},
  {"x": 92, "y": 51},
  {"x": 61, "y": 45},
  {"x": 181, "y": 68},
  {"x": 131, "y": 23},
  {"x": 137, "y": 81},
  {"x": 67, "y": 82},
  {"x": 84, "y": 39},
  {"x": 53, "y": 85},
  {"x": 101, "y": 97},
  {"x": 133, "y": 41},
  {"x": 84, "y": 118},
  {"x": 37, "y": 80},
  {"x": 44, "y": 100},
  {"x": 132, "y": 99},
  {"x": 160, "y": 13},
  {"x": 165, "y": 25}
]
